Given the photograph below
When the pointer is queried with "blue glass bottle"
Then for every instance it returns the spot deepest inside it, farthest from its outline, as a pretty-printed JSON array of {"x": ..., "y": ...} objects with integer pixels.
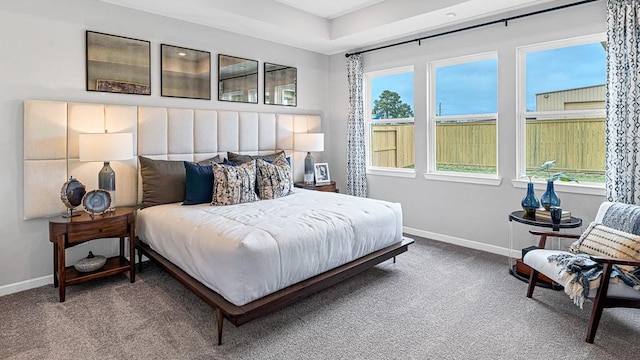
[
  {"x": 549, "y": 198},
  {"x": 530, "y": 202}
]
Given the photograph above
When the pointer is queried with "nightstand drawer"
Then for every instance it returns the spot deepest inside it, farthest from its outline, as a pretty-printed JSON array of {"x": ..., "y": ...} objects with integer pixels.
[
  {"x": 328, "y": 187},
  {"x": 105, "y": 228}
]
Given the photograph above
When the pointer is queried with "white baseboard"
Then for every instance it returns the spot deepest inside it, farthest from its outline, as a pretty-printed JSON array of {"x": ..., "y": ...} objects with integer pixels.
[
  {"x": 26, "y": 285},
  {"x": 457, "y": 241}
]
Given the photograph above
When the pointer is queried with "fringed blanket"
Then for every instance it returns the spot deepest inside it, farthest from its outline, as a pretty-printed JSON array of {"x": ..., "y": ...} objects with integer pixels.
[{"x": 580, "y": 274}]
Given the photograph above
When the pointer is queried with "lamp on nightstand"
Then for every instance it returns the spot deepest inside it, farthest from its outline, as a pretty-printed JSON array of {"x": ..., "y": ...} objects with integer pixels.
[
  {"x": 308, "y": 143},
  {"x": 106, "y": 147}
]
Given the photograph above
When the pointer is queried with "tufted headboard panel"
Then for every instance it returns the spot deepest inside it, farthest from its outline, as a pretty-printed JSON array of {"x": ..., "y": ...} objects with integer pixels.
[{"x": 51, "y": 155}]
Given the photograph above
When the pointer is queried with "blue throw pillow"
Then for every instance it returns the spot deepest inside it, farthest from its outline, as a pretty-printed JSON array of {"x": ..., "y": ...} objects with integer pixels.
[{"x": 199, "y": 184}]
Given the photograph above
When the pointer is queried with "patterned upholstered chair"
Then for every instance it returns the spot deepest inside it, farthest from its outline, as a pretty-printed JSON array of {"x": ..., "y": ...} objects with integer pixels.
[{"x": 602, "y": 264}]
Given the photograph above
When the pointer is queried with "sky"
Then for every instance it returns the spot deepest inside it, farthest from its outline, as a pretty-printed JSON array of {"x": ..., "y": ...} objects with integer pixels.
[
  {"x": 401, "y": 83},
  {"x": 471, "y": 88}
]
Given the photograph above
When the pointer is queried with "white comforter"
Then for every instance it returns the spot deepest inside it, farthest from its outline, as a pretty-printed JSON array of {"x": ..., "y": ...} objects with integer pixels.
[{"x": 244, "y": 252}]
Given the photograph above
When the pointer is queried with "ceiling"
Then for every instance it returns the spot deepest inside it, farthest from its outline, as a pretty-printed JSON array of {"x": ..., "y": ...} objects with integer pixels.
[{"x": 328, "y": 26}]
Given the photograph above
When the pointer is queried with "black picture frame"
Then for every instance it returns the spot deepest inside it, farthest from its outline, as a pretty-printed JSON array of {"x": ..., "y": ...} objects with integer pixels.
[
  {"x": 237, "y": 79},
  {"x": 280, "y": 85},
  {"x": 185, "y": 73},
  {"x": 117, "y": 64}
]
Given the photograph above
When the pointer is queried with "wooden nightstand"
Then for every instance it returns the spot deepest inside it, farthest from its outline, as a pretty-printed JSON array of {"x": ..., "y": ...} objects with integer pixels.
[
  {"x": 68, "y": 232},
  {"x": 330, "y": 187}
]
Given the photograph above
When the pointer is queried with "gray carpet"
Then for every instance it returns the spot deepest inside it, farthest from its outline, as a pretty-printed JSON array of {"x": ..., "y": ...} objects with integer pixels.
[{"x": 438, "y": 301}]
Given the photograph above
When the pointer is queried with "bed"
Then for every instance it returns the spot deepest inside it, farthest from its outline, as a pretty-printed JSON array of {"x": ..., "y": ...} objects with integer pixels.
[
  {"x": 246, "y": 263},
  {"x": 273, "y": 251}
]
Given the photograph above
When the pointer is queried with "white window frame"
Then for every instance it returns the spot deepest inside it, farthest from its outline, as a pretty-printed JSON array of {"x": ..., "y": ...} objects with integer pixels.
[
  {"x": 521, "y": 112},
  {"x": 378, "y": 170},
  {"x": 432, "y": 173}
]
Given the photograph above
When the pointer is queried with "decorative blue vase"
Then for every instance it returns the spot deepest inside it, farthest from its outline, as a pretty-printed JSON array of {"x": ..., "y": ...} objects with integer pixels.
[
  {"x": 549, "y": 198},
  {"x": 530, "y": 202}
]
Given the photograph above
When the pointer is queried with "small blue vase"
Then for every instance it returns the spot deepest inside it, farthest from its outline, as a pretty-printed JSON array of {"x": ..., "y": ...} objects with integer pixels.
[
  {"x": 549, "y": 198},
  {"x": 530, "y": 202}
]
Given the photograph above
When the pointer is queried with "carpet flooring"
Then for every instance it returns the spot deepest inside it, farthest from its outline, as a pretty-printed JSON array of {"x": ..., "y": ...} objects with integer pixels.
[{"x": 439, "y": 301}]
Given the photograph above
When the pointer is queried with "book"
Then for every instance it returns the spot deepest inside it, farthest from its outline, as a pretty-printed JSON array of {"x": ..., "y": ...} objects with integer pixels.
[{"x": 542, "y": 214}]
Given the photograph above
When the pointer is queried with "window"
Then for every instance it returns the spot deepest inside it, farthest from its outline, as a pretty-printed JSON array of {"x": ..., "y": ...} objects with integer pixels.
[
  {"x": 389, "y": 126},
  {"x": 561, "y": 107},
  {"x": 463, "y": 106}
]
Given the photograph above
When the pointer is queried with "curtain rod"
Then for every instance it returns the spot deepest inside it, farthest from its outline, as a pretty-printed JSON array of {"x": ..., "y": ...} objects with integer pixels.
[{"x": 505, "y": 21}]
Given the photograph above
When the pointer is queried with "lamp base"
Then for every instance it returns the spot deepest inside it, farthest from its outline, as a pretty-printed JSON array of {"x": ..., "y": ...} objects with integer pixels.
[
  {"x": 107, "y": 182},
  {"x": 308, "y": 169}
]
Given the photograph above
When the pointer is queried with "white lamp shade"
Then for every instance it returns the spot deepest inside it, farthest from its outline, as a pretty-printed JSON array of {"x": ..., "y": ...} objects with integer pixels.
[
  {"x": 105, "y": 147},
  {"x": 308, "y": 142}
]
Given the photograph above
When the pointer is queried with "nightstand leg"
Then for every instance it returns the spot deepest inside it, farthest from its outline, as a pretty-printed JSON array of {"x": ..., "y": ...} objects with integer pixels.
[
  {"x": 61, "y": 269},
  {"x": 55, "y": 265},
  {"x": 132, "y": 257}
]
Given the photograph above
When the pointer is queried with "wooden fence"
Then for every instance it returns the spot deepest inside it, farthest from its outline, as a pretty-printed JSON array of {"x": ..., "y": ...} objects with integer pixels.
[
  {"x": 393, "y": 145},
  {"x": 575, "y": 144},
  {"x": 469, "y": 144}
]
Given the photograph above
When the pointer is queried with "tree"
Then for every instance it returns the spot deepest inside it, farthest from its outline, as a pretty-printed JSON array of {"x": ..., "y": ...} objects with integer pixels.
[{"x": 390, "y": 106}]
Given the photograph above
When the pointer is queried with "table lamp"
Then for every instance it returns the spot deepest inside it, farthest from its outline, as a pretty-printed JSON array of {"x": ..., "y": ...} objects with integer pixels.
[
  {"x": 308, "y": 143},
  {"x": 106, "y": 147}
]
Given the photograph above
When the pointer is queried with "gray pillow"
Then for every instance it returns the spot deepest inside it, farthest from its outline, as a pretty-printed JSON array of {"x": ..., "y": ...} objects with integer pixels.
[
  {"x": 237, "y": 158},
  {"x": 163, "y": 181}
]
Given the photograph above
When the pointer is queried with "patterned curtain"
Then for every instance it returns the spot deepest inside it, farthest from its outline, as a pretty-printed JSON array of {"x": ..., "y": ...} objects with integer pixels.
[
  {"x": 622, "y": 169},
  {"x": 356, "y": 152}
]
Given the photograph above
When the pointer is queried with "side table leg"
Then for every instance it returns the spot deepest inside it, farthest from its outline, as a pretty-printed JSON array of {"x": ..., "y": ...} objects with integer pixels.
[
  {"x": 61, "y": 268},
  {"x": 55, "y": 265},
  {"x": 132, "y": 257}
]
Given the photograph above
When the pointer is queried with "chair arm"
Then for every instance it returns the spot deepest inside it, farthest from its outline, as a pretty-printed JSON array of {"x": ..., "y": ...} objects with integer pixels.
[
  {"x": 543, "y": 237},
  {"x": 614, "y": 261}
]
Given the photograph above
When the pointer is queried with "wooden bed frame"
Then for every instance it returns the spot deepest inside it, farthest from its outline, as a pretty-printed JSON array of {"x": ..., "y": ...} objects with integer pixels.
[{"x": 239, "y": 315}]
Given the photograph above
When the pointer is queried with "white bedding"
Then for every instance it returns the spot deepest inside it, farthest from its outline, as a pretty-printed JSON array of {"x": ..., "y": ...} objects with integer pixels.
[{"x": 244, "y": 252}]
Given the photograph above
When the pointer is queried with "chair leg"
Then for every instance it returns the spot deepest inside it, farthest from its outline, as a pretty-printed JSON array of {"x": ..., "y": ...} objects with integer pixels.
[
  {"x": 599, "y": 303},
  {"x": 533, "y": 279},
  {"x": 596, "y": 313}
]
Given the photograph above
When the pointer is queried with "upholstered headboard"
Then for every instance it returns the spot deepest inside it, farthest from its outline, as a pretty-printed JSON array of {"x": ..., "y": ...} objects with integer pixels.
[{"x": 51, "y": 131}]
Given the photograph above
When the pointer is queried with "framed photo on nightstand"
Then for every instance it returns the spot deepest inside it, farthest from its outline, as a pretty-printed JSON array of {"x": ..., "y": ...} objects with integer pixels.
[{"x": 322, "y": 173}]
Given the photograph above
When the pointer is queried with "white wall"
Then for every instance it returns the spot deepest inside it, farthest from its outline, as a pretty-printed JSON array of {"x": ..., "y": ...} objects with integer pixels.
[
  {"x": 43, "y": 57},
  {"x": 469, "y": 214}
]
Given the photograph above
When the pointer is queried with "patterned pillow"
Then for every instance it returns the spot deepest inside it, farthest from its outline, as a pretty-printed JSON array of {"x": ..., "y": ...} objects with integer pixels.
[
  {"x": 601, "y": 240},
  {"x": 234, "y": 184},
  {"x": 274, "y": 180}
]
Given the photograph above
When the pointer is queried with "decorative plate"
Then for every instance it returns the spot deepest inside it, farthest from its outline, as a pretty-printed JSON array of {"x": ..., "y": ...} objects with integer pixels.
[
  {"x": 96, "y": 201},
  {"x": 72, "y": 192}
]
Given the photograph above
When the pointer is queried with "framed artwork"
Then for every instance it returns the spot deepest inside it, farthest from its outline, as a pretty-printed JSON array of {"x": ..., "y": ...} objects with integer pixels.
[
  {"x": 280, "y": 84},
  {"x": 237, "y": 79},
  {"x": 118, "y": 64},
  {"x": 322, "y": 173},
  {"x": 186, "y": 73}
]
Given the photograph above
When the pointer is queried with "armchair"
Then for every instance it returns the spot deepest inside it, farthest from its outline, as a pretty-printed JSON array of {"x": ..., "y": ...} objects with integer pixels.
[{"x": 610, "y": 246}]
